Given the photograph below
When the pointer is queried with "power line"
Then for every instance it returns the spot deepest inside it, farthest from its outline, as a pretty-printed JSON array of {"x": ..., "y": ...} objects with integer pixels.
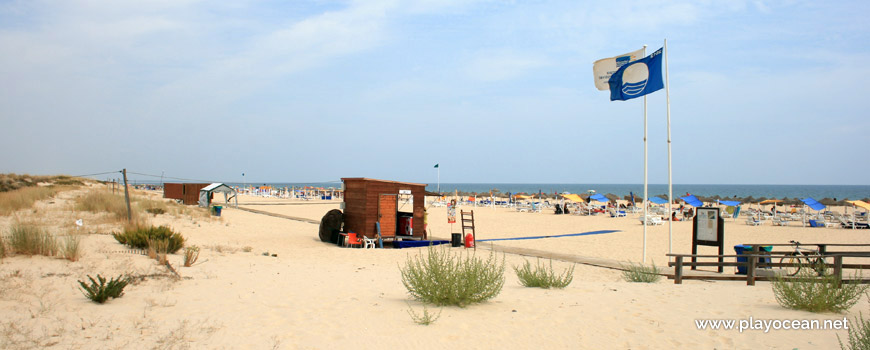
[
  {"x": 108, "y": 172},
  {"x": 197, "y": 180},
  {"x": 169, "y": 177}
]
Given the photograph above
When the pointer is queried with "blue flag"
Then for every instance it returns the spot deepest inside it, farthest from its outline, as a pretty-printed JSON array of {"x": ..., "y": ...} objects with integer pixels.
[{"x": 637, "y": 78}]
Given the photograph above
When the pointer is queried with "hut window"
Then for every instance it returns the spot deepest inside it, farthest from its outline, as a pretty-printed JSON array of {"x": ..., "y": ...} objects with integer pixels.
[{"x": 406, "y": 201}]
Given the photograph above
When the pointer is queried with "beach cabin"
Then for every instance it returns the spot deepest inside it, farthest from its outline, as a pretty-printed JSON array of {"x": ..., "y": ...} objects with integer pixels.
[
  {"x": 188, "y": 193},
  {"x": 207, "y": 193},
  {"x": 397, "y": 206}
]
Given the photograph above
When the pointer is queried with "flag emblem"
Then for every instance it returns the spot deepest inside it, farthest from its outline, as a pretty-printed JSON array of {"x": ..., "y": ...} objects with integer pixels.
[
  {"x": 634, "y": 79},
  {"x": 637, "y": 78},
  {"x": 604, "y": 68}
]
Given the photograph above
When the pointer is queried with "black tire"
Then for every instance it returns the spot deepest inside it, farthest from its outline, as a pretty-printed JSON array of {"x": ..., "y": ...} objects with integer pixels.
[
  {"x": 820, "y": 267},
  {"x": 330, "y": 224},
  {"x": 795, "y": 262}
]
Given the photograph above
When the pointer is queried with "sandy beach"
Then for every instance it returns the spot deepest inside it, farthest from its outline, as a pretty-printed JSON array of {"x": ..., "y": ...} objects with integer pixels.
[{"x": 265, "y": 282}]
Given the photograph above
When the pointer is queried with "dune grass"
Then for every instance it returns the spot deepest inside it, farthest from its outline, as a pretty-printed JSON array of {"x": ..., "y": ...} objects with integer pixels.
[
  {"x": 542, "y": 276},
  {"x": 24, "y": 198},
  {"x": 641, "y": 273},
  {"x": 191, "y": 254},
  {"x": 30, "y": 239},
  {"x": 2, "y": 246},
  {"x": 70, "y": 247},
  {"x": 101, "y": 201}
]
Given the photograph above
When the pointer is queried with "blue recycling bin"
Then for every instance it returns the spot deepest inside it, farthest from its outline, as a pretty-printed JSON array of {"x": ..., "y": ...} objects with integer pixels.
[
  {"x": 740, "y": 248},
  {"x": 217, "y": 210}
]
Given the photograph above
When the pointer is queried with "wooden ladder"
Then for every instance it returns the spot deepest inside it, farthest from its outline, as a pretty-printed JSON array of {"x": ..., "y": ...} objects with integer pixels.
[{"x": 468, "y": 224}]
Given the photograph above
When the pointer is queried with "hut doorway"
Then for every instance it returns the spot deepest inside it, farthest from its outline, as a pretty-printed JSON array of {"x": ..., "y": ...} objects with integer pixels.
[{"x": 387, "y": 209}]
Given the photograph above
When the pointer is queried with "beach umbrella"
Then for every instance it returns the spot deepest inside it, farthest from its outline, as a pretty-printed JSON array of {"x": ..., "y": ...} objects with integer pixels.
[
  {"x": 814, "y": 204},
  {"x": 600, "y": 197},
  {"x": 658, "y": 200},
  {"x": 692, "y": 200},
  {"x": 772, "y": 201},
  {"x": 864, "y": 205}
]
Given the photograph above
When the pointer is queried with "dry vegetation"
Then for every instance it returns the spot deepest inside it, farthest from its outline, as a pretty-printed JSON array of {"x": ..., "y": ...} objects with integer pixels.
[
  {"x": 24, "y": 198},
  {"x": 11, "y": 182},
  {"x": 37, "y": 220},
  {"x": 98, "y": 200}
]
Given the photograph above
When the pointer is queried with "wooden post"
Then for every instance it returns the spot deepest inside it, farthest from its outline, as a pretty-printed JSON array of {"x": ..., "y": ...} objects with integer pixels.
[
  {"x": 678, "y": 271},
  {"x": 838, "y": 270},
  {"x": 127, "y": 196},
  {"x": 750, "y": 269}
]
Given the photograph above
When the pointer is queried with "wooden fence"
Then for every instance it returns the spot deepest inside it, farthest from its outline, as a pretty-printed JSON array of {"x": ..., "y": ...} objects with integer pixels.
[{"x": 756, "y": 259}]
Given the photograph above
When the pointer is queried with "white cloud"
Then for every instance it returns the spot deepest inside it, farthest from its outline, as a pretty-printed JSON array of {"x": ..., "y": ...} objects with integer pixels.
[{"x": 497, "y": 65}]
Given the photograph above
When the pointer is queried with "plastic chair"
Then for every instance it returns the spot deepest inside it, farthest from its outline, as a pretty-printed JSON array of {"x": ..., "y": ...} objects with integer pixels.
[
  {"x": 352, "y": 240},
  {"x": 368, "y": 242}
]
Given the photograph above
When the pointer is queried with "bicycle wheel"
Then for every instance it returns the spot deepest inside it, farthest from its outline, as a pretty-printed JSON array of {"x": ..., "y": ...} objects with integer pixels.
[
  {"x": 794, "y": 264},
  {"x": 820, "y": 266}
]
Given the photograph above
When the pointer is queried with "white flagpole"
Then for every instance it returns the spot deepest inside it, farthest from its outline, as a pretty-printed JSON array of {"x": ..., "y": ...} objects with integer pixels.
[
  {"x": 439, "y": 177},
  {"x": 645, "y": 174},
  {"x": 670, "y": 181}
]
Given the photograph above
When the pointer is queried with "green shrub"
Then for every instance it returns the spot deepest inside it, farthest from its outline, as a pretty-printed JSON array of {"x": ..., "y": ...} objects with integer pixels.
[
  {"x": 138, "y": 237},
  {"x": 30, "y": 239},
  {"x": 807, "y": 292},
  {"x": 542, "y": 276},
  {"x": 442, "y": 278},
  {"x": 426, "y": 318},
  {"x": 859, "y": 335},
  {"x": 641, "y": 273},
  {"x": 101, "y": 291},
  {"x": 2, "y": 247}
]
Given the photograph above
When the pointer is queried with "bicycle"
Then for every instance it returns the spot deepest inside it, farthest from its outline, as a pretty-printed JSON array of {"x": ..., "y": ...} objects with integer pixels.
[{"x": 804, "y": 257}]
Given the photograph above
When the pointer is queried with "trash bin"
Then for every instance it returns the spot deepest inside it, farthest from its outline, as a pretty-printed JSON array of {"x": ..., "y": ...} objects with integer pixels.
[
  {"x": 741, "y": 248},
  {"x": 217, "y": 210},
  {"x": 456, "y": 240}
]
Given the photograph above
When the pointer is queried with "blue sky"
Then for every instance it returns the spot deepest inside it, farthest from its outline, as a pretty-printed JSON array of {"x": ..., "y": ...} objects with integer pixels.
[{"x": 762, "y": 92}]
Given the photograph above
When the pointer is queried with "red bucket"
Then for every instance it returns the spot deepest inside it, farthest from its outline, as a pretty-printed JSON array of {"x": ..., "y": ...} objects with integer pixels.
[{"x": 469, "y": 241}]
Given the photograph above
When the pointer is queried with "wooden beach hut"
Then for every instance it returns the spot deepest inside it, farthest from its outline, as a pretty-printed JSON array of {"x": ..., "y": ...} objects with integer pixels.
[
  {"x": 397, "y": 206},
  {"x": 188, "y": 193}
]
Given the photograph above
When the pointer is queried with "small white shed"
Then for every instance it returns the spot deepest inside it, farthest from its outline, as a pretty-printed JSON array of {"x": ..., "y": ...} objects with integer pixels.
[{"x": 205, "y": 194}]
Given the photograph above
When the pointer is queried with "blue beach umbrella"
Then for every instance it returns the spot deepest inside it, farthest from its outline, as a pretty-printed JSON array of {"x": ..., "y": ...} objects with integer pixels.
[
  {"x": 658, "y": 200},
  {"x": 693, "y": 201}
]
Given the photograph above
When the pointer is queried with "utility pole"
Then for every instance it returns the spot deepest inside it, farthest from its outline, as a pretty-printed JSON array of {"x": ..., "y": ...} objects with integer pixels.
[{"x": 127, "y": 196}]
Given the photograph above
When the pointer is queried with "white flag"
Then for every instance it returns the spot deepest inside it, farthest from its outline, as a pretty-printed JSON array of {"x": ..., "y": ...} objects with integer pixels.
[{"x": 605, "y": 67}]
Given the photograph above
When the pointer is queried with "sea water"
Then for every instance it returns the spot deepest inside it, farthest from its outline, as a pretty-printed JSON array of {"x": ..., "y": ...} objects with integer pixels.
[{"x": 838, "y": 192}]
